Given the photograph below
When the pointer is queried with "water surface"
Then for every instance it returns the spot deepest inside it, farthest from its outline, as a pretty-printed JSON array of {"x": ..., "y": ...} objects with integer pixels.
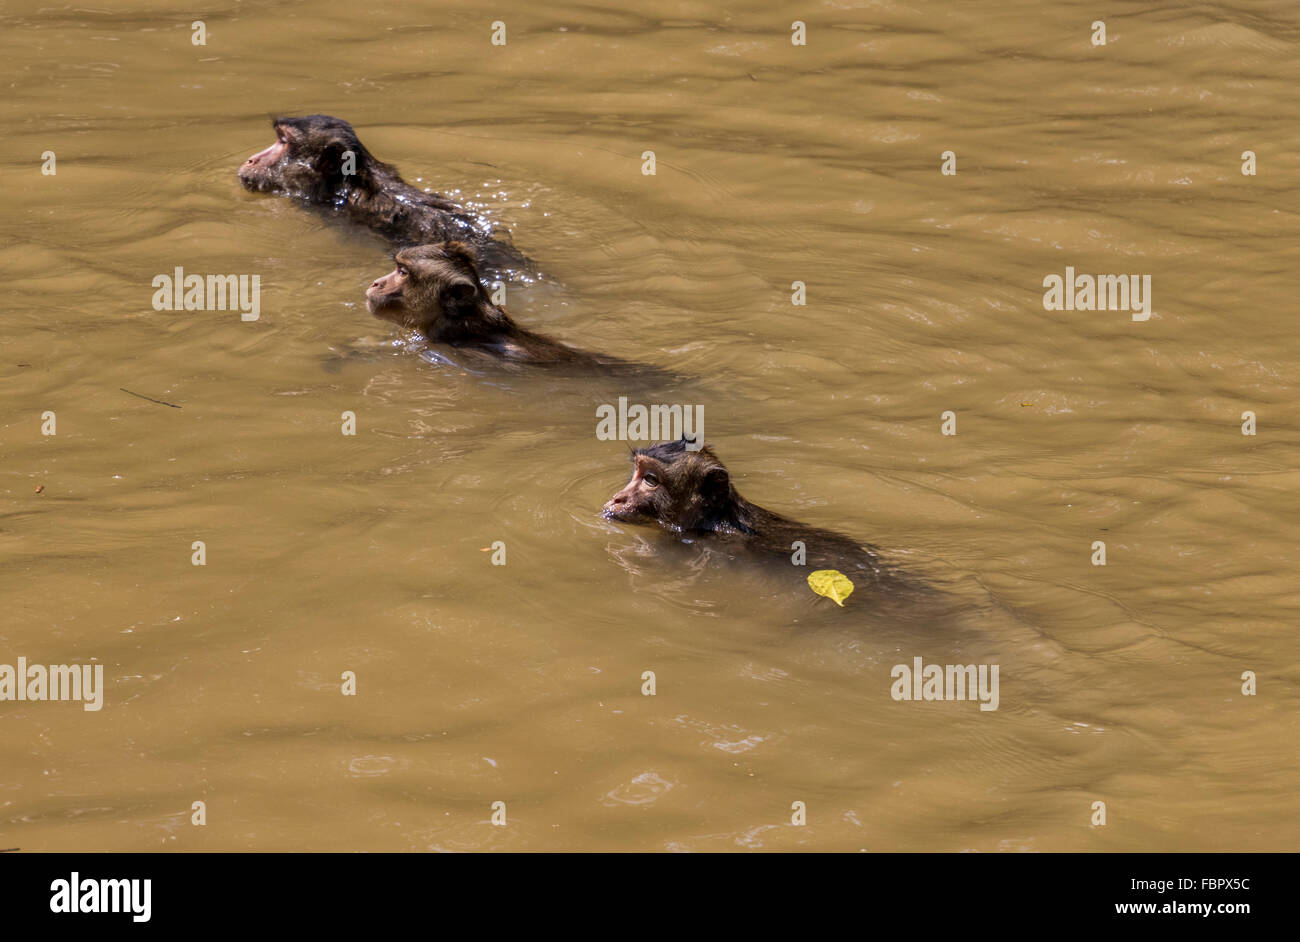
[{"x": 522, "y": 683}]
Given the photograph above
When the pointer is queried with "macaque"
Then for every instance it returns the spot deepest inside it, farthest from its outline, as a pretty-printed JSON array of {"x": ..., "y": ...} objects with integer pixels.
[
  {"x": 690, "y": 494},
  {"x": 435, "y": 290},
  {"x": 320, "y": 161}
]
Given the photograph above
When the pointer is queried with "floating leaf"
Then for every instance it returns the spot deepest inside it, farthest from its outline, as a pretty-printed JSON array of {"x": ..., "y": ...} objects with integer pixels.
[{"x": 831, "y": 583}]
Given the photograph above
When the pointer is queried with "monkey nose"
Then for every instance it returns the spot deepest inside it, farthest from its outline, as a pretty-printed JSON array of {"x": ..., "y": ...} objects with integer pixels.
[{"x": 375, "y": 283}]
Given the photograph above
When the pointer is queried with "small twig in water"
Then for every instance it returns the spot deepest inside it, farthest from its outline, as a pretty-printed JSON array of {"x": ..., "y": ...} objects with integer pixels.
[{"x": 150, "y": 398}]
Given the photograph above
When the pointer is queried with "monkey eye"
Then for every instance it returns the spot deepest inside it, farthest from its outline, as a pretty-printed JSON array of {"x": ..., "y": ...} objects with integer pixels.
[
  {"x": 651, "y": 479},
  {"x": 401, "y": 270}
]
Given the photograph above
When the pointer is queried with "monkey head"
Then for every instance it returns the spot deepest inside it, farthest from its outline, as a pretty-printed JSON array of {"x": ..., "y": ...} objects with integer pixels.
[
  {"x": 310, "y": 159},
  {"x": 436, "y": 290},
  {"x": 682, "y": 490}
]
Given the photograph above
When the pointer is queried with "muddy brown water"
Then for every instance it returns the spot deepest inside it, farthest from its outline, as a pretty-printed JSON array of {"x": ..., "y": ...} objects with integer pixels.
[{"x": 522, "y": 683}]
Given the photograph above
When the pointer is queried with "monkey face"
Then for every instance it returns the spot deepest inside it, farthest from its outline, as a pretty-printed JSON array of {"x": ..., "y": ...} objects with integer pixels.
[
  {"x": 433, "y": 289},
  {"x": 643, "y": 499},
  {"x": 680, "y": 489},
  {"x": 385, "y": 298},
  {"x": 308, "y": 159},
  {"x": 258, "y": 171}
]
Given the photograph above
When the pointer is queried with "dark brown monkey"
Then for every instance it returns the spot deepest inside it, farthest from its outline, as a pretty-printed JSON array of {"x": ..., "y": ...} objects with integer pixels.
[
  {"x": 691, "y": 494},
  {"x": 435, "y": 289},
  {"x": 320, "y": 161}
]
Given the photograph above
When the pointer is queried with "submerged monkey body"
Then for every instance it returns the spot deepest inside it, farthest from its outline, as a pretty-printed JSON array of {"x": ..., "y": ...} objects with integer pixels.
[
  {"x": 319, "y": 160},
  {"x": 436, "y": 291},
  {"x": 405, "y": 215},
  {"x": 763, "y": 533},
  {"x": 690, "y": 494}
]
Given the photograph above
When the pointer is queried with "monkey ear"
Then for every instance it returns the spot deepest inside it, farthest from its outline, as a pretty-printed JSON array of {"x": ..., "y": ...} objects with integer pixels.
[
  {"x": 717, "y": 482},
  {"x": 458, "y": 295},
  {"x": 330, "y": 161}
]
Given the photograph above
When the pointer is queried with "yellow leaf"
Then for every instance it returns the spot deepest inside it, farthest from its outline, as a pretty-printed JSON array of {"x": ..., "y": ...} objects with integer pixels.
[{"x": 831, "y": 583}]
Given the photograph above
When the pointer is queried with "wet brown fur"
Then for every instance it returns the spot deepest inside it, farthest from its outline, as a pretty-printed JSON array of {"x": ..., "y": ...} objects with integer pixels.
[
  {"x": 691, "y": 494},
  {"x": 307, "y": 164},
  {"x": 436, "y": 290}
]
